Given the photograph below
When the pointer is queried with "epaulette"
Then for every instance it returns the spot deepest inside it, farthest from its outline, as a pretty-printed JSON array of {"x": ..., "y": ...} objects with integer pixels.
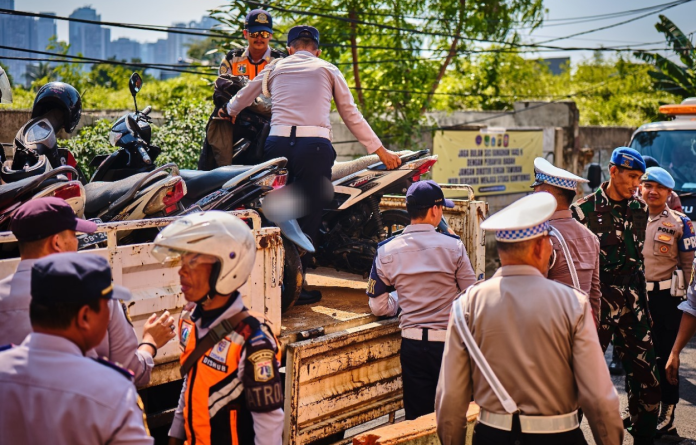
[
  {"x": 680, "y": 214},
  {"x": 381, "y": 243},
  {"x": 457, "y": 237},
  {"x": 6, "y": 347},
  {"x": 237, "y": 52},
  {"x": 278, "y": 54},
  {"x": 116, "y": 367},
  {"x": 583, "y": 200}
]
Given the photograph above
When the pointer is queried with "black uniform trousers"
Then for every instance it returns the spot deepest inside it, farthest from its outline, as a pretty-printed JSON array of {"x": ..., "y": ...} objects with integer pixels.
[
  {"x": 420, "y": 370},
  {"x": 666, "y": 318},
  {"x": 309, "y": 168},
  {"x": 486, "y": 435}
]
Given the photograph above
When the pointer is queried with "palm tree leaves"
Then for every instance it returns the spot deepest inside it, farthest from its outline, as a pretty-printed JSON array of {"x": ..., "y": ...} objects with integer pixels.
[{"x": 672, "y": 77}]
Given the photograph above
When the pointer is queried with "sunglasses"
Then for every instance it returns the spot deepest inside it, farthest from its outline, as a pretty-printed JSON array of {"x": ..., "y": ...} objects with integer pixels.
[{"x": 263, "y": 34}]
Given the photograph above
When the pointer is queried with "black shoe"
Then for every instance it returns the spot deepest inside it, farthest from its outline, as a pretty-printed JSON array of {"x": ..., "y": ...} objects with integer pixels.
[
  {"x": 308, "y": 297},
  {"x": 615, "y": 367},
  {"x": 626, "y": 417},
  {"x": 665, "y": 422}
]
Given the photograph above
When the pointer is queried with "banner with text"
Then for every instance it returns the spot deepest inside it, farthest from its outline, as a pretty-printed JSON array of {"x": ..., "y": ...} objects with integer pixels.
[{"x": 492, "y": 163}]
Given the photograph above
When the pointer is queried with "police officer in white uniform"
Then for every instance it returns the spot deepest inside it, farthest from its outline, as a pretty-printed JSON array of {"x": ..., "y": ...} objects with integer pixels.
[
  {"x": 420, "y": 272},
  {"x": 45, "y": 226},
  {"x": 51, "y": 393},
  {"x": 525, "y": 347}
]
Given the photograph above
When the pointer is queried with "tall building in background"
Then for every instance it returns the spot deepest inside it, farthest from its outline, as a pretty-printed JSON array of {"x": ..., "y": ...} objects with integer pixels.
[
  {"x": 16, "y": 32},
  {"x": 45, "y": 29},
  {"x": 90, "y": 40},
  {"x": 126, "y": 49}
]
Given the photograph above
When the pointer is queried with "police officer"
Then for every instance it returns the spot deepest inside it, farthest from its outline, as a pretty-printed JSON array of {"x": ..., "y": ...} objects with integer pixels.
[
  {"x": 619, "y": 218},
  {"x": 580, "y": 243},
  {"x": 687, "y": 329},
  {"x": 46, "y": 226},
  {"x": 250, "y": 61},
  {"x": 229, "y": 358},
  {"x": 669, "y": 253},
  {"x": 301, "y": 87},
  {"x": 51, "y": 392},
  {"x": 420, "y": 272},
  {"x": 673, "y": 201},
  {"x": 525, "y": 347}
]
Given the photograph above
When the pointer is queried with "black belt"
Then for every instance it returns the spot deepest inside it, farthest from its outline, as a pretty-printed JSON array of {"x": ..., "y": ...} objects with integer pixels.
[{"x": 618, "y": 279}]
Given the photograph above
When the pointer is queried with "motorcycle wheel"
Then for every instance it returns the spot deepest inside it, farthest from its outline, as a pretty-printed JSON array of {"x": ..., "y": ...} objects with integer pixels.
[
  {"x": 393, "y": 223},
  {"x": 292, "y": 276}
]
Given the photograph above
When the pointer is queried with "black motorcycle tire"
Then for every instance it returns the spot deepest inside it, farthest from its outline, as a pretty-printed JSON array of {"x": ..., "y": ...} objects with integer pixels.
[
  {"x": 293, "y": 278},
  {"x": 394, "y": 221}
]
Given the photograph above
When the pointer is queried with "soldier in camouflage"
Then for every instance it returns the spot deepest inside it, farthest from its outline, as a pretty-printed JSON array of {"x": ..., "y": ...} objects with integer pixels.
[{"x": 618, "y": 217}]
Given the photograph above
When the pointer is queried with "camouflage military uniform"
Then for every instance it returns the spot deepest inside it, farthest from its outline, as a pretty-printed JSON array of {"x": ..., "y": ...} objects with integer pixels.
[{"x": 620, "y": 227}]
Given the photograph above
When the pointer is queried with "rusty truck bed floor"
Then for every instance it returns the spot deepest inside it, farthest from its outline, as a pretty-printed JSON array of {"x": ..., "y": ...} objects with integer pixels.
[{"x": 343, "y": 305}]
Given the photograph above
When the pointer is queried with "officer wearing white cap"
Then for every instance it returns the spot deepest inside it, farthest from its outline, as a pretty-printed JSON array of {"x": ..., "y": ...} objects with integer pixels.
[
  {"x": 420, "y": 272},
  {"x": 619, "y": 217},
  {"x": 525, "y": 347},
  {"x": 576, "y": 250},
  {"x": 669, "y": 253},
  {"x": 51, "y": 393}
]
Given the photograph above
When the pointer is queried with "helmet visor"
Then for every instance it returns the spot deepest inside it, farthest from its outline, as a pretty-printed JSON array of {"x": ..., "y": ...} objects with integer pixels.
[{"x": 181, "y": 257}]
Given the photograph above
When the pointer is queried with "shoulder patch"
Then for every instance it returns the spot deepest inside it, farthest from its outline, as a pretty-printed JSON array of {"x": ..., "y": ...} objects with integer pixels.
[
  {"x": 381, "y": 243},
  {"x": 450, "y": 235},
  {"x": 116, "y": 367}
]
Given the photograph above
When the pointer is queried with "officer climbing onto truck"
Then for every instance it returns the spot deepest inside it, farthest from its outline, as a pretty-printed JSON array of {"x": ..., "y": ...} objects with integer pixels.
[
  {"x": 619, "y": 218},
  {"x": 669, "y": 253},
  {"x": 229, "y": 358}
]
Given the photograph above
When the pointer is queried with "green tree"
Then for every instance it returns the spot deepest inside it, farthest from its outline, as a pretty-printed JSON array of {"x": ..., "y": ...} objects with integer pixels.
[
  {"x": 379, "y": 46},
  {"x": 41, "y": 71},
  {"x": 670, "y": 76}
]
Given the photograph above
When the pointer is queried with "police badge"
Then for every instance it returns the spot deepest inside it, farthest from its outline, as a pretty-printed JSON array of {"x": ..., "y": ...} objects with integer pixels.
[{"x": 262, "y": 18}]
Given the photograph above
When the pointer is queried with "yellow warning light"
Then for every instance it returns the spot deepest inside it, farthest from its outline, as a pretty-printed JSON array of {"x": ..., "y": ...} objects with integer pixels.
[{"x": 673, "y": 110}]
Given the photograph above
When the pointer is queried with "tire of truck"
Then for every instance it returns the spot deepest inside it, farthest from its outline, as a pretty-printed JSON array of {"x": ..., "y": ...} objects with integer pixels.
[{"x": 292, "y": 276}]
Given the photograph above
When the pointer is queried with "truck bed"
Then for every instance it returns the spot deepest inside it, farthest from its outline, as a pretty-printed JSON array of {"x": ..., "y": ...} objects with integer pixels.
[{"x": 343, "y": 305}]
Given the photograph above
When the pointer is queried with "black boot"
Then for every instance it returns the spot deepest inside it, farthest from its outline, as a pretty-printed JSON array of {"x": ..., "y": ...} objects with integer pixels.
[
  {"x": 615, "y": 367},
  {"x": 665, "y": 422},
  {"x": 308, "y": 297}
]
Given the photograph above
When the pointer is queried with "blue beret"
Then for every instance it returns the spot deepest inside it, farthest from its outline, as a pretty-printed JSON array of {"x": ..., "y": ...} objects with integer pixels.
[
  {"x": 628, "y": 158},
  {"x": 659, "y": 175}
]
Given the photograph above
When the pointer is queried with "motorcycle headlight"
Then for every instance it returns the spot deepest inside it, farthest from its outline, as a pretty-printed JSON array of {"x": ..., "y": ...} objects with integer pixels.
[{"x": 114, "y": 137}]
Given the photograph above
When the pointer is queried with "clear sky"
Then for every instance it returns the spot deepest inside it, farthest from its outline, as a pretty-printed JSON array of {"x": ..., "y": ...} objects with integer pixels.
[{"x": 166, "y": 12}]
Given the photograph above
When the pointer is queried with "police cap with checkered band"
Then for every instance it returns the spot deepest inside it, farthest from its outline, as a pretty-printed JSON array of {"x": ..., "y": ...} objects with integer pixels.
[
  {"x": 524, "y": 219},
  {"x": 547, "y": 173}
]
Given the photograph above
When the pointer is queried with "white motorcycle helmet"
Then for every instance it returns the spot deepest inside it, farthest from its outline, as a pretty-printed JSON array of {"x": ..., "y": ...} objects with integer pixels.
[{"x": 217, "y": 234}]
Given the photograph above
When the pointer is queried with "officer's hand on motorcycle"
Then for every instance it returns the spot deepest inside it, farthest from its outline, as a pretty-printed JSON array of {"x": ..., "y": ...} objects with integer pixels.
[
  {"x": 390, "y": 159},
  {"x": 222, "y": 113},
  {"x": 159, "y": 330},
  {"x": 672, "y": 369}
]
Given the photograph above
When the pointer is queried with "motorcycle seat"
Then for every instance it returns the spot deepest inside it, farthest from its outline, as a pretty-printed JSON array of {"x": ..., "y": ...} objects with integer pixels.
[
  {"x": 101, "y": 194},
  {"x": 342, "y": 169},
  {"x": 10, "y": 192},
  {"x": 200, "y": 183}
]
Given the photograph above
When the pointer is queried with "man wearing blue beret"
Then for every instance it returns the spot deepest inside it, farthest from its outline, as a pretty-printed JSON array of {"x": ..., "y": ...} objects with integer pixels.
[
  {"x": 619, "y": 217},
  {"x": 669, "y": 252}
]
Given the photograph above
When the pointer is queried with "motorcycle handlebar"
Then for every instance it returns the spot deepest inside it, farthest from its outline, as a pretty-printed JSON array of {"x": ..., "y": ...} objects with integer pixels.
[
  {"x": 144, "y": 155},
  {"x": 147, "y": 110}
]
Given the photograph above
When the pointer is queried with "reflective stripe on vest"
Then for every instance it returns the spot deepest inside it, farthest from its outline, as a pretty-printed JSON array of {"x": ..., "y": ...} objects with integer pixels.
[
  {"x": 245, "y": 67},
  {"x": 213, "y": 386}
]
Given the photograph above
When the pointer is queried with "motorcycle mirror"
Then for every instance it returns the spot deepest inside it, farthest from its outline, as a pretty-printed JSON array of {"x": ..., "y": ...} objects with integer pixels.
[
  {"x": 135, "y": 83},
  {"x": 594, "y": 175}
]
